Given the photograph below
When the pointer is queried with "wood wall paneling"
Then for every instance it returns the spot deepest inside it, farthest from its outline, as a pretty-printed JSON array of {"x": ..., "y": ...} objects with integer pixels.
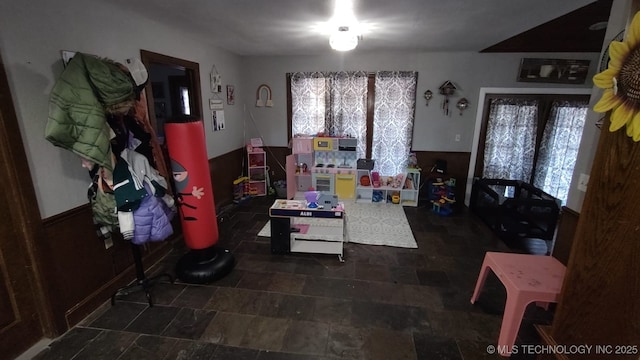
[
  {"x": 223, "y": 170},
  {"x": 81, "y": 273},
  {"x": 564, "y": 235},
  {"x": 601, "y": 287},
  {"x": 457, "y": 167}
]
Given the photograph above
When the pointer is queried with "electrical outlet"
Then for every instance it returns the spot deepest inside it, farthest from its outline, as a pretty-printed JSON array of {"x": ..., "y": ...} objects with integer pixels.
[
  {"x": 457, "y": 137},
  {"x": 583, "y": 181}
]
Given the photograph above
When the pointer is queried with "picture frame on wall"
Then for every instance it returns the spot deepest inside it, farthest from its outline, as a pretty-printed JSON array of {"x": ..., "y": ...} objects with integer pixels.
[
  {"x": 559, "y": 71},
  {"x": 231, "y": 97}
]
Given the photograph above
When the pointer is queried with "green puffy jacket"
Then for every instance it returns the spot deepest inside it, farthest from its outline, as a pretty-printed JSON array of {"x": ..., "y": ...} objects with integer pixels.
[{"x": 87, "y": 88}]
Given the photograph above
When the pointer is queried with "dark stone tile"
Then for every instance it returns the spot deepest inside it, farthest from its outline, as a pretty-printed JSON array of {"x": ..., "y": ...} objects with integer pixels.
[
  {"x": 372, "y": 272},
  {"x": 472, "y": 350},
  {"x": 253, "y": 247},
  {"x": 228, "y": 352},
  {"x": 189, "y": 323},
  {"x": 423, "y": 296},
  {"x": 306, "y": 337},
  {"x": 296, "y": 307},
  {"x": 388, "y": 316},
  {"x": 162, "y": 293},
  {"x": 227, "y": 329},
  {"x": 149, "y": 347},
  {"x": 344, "y": 270},
  {"x": 192, "y": 350},
  {"x": 265, "y": 333},
  {"x": 153, "y": 320},
  {"x": 415, "y": 260},
  {"x": 433, "y": 278},
  {"x": 195, "y": 297},
  {"x": 403, "y": 275},
  {"x": 334, "y": 311},
  {"x": 236, "y": 300},
  {"x": 338, "y": 288},
  {"x": 72, "y": 342},
  {"x": 385, "y": 292},
  {"x": 107, "y": 345},
  {"x": 287, "y": 283},
  {"x": 230, "y": 280},
  {"x": 255, "y": 280},
  {"x": 436, "y": 347},
  {"x": 383, "y": 344},
  {"x": 346, "y": 342},
  {"x": 119, "y": 316},
  {"x": 270, "y": 355},
  {"x": 310, "y": 268}
]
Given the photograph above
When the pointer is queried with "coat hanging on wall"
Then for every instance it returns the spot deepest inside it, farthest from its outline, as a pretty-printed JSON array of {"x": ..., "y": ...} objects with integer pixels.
[
  {"x": 259, "y": 101},
  {"x": 447, "y": 89}
]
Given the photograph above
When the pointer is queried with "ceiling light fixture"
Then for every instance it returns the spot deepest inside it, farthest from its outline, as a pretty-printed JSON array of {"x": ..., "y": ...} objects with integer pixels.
[
  {"x": 345, "y": 33},
  {"x": 343, "y": 39}
]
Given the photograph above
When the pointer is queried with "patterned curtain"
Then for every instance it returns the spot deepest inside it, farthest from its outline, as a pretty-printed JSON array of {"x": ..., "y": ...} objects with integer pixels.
[
  {"x": 559, "y": 147},
  {"x": 393, "y": 117},
  {"x": 330, "y": 102},
  {"x": 510, "y": 143}
]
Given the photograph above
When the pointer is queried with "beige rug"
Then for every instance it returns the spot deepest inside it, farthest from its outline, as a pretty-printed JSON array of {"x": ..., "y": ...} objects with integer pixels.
[{"x": 372, "y": 224}]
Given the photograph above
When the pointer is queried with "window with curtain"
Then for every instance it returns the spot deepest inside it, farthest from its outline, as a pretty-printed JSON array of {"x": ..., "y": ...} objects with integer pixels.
[
  {"x": 559, "y": 147},
  {"x": 376, "y": 109},
  {"x": 533, "y": 138}
]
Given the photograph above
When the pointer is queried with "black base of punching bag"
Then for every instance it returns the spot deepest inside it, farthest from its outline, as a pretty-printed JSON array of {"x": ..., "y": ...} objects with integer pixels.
[{"x": 205, "y": 265}]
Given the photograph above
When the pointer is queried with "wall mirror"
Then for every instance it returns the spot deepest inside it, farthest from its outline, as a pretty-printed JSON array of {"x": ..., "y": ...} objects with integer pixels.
[{"x": 173, "y": 90}]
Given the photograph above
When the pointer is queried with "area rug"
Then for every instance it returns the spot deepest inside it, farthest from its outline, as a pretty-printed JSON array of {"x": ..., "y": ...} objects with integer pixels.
[{"x": 371, "y": 224}]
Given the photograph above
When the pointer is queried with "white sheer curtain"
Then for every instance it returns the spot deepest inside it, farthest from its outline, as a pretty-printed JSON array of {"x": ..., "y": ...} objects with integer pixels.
[
  {"x": 511, "y": 139},
  {"x": 393, "y": 117},
  {"x": 330, "y": 102},
  {"x": 559, "y": 148}
]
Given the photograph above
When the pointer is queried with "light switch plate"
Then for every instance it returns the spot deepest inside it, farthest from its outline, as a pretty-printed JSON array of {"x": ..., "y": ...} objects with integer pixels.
[{"x": 583, "y": 181}]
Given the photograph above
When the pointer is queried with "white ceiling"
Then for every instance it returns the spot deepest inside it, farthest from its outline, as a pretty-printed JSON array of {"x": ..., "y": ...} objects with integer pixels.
[{"x": 286, "y": 27}]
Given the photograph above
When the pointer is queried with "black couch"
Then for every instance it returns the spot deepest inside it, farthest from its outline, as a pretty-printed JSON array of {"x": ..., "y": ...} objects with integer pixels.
[{"x": 515, "y": 209}]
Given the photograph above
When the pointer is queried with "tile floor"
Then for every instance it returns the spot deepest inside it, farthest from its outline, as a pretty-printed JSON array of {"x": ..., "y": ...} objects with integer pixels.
[{"x": 381, "y": 303}]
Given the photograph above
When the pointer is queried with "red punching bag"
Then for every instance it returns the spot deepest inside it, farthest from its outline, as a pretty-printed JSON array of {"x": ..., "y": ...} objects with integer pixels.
[{"x": 192, "y": 180}]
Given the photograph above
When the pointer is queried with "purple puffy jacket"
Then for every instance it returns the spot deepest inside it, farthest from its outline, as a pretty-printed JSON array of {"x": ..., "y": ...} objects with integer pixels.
[{"x": 152, "y": 221}]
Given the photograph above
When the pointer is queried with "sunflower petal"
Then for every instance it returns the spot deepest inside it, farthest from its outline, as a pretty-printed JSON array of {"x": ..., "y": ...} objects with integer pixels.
[
  {"x": 620, "y": 116},
  {"x": 604, "y": 80},
  {"x": 607, "y": 102},
  {"x": 633, "y": 33},
  {"x": 633, "y": 128},
  {"x": 618, "y": 51}
]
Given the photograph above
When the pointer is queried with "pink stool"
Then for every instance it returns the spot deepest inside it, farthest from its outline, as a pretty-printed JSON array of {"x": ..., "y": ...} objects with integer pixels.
[{"x": 527, "y": 278}]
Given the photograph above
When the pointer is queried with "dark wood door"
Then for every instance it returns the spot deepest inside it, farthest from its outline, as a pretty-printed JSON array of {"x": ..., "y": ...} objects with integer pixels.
[{"x": 22, "y": 301}]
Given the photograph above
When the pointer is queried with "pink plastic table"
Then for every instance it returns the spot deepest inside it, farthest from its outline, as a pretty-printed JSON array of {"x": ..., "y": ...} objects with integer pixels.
[{"x": 527, "y": 278}]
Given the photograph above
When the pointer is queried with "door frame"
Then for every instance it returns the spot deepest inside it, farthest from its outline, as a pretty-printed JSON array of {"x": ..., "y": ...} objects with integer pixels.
[
  {"x": 25, "y": 219},
  {"x": 484, "y": 91}
]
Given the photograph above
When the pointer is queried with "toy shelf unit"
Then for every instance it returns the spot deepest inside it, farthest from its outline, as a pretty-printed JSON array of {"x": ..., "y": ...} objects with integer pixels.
[
  {"x": 257, "y": 171},
  {"x": 403, "y": 189},
  {"x": 298, "y": 167}
]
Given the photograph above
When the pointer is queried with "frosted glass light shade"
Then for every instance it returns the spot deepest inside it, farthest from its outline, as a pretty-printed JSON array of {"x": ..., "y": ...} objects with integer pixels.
[{"x": 343, "y": 39}]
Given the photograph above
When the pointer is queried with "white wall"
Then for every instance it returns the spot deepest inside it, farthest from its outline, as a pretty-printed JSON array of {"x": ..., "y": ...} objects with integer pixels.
[
  {"x": 32, "y": 34},
  {"x": 433, "y": 131}
]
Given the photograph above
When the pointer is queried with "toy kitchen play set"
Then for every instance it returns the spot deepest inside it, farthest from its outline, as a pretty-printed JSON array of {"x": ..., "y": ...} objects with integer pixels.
[{"x": 326, "y": 164}]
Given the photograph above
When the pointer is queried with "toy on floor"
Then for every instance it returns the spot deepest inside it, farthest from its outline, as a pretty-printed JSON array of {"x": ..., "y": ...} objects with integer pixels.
[{"x": 443, "y": 197}]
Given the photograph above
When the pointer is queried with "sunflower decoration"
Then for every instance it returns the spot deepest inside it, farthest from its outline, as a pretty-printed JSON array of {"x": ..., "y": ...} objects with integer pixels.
[{"x": 621, "y": 82}]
